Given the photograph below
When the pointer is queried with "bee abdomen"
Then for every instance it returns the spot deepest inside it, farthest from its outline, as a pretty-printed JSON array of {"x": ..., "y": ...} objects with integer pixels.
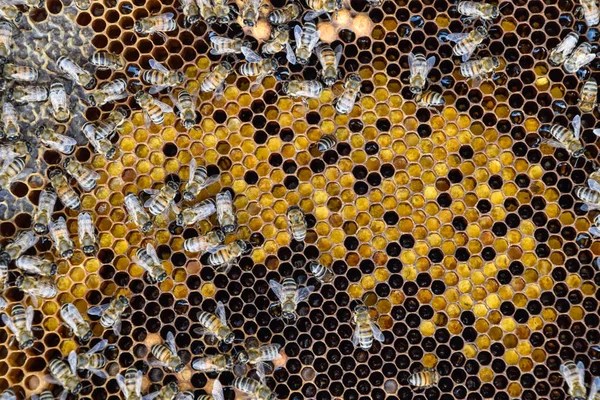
[{"x": 326, "y": 142}]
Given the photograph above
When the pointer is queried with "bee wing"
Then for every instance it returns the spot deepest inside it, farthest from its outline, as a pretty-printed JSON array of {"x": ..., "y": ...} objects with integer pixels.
[
  {"x": 356, "y": 335},
  {"x": 588, "y": 207},
  {"x": 84, "y": 223},
  {"x": 456, "y": 37},
  {"x": 167, "y": 16},
  {"x": 275, "y": 353},
  {"x": 217, "y": 391},
  {"x": 553, "y": 143},
  {"x": 213, "y": 250},
  {"x": 258, "y": 81},
  {"x": 151, "y": 396},
  {"x": 98, "y": 372},
  {"x": 117, "y": 326},
  {"x": 170, "y": 342},
  {"x": 28, "y": 318},
  {"x": 468, "y": 55},
  {"x": 596, "y": 132},
  {"x": 594, "y": 231},
  {"x": 313, "y": 14},
  {"x": 313, "y": 41},
  {"x": 290, "y": 55},
  {"x": 210, "y": 180},
  {"x": 157, "y": 88},
  {"x": 8, "y": 322},
  {"x": 594, "y": 184},
  {"x": 581, "y": 372},
  {"x": 193, "y": 166},
  {"x": 152, "y": 253},
  {"x": 221, "y": 198},
  {"x": 157, "y": 363},
  {"x": 98, "y": 310},
  {"x": 101, "y": 345},
  {"x": 221, "y": 313},
  {"x": 297, "y": 34},
  {"x": 303, "y": 293},
  {"x": 164, "y": 107},
  {"x": 73, "y": 361},
  {"x": 34, "y": 301},
  {"x": 219, "y": 90},
  {"x": 251, "y": 55},
  {"x": 411, "y": 61},
  {"x": 338, "y": 55},
  {"x": 158, "y": 66},
  {"x": 277, "y": 289},
  {"x": 138, "y": 383},
  {"x": 430, "y": 64},
  {"x": 217, "y": 40},
  {"x": 142, "y": 264},
  {"x": 594, "y": 389},
  {"x": 260, "y": 371},
  {"x": 377, "y": 334},
  {"x": 576, "y": 126}
]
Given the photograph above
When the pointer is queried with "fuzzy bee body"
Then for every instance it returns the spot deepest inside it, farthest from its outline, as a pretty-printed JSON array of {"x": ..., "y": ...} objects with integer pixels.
[
  {"x": 203, "y": 243},
  {"x": 166, "y": 354},
  {"x": 20, "y": 323},
  {"x": 162, "y": 200},
  {"x": 289, "y": 295},
  {"x": 168, "y": 392},
  {"x": 44, "y": 395},
  {"x": 215, "y": 80},
  {"x": 106, "y": 60},
  {"x": 479, "y": 69},
  {"x": 581, "y": 57},
  {"x": 187, "y": 109},
  {"x": 566, "y": 138},
  {"x": 590, "y": 197},
  {"x": 60, "y": 237},
  {"x": 131, "y": 384},
  {"x": 424, "y": 378},
  {"x": 250, "y": 12},
  {"x": 76, "y": 323},
  {"x": 214, "y": 363},
  {"x": 22, "y": 242},
  {"x": 207, "y": 11},
  {"x": 65, "y": 192},
  {"x": 66, "y": 374},
  {"x": 101, "y": 146},
  {"x": 297, "y": 223},
  {"x": 110, "y": 313},
  {"x": 153, "y": 109},
  {"x": 563, "y": 50},
  {"x": 3, "y": 278},
  {"x": 285, "y": 14},
  {"x": 222, "y": 11},
  {"x": 320, "y": 7},
  {"x": 345, "y": 103},
  {"x": 591, "y": 12},
  {"x": 59, "y": 101},
  {"x": 137, "y": 213},
  {"x": 419, "y": 70},
  {"x": 366, "y": 330},
  {"x": 306, "y": 40},
  {"x": 225, "y": 214},
  {"x": 280, "y": 41},
  {"x": 574, "y": 376},
  {"x": 28, "y": 94},
  {"x": 198, "y": 180},
  {"x": 6, "y": 39},
  {"x": 57, "y": 141},
  {"x": 42, "y": 287},
  {"x": 20, "y": 73},
  {"x": 148, "y": 259},
  {"x": 85, "y": 177},
  {"x": 10, "y": 124},
  {"x": 36, "y": 265},
  {"x": 156, "y": 24},
  {"x": 224, "y": 256},
  {"x": 322, "y": 273},
  {"x": 109, "y": 92},
  {"x": 160, "y": 77},
  {"x": 477, "y": 10},
  {"x": 87, "y": 233},
  {"x": 588, "y": 96},
  {"x": 14, "y": 149},
  {"x": 198, "y": 212},
  {"x": 326, "y": 142},
  {"x": 11, "y": 13},
  {"x": 75, "y": 72},
  {"x": 467, "y": 43},
  {"x": 261, "y": 354},
  {"x": 191, "y": 11},
  {"x": 330, "y": 60},
  {"x": 303, "y": 89},
  {"x": 430, "y": 99},
  {"x": 106, "y": 127},
  {"x": 92, "y": 360},
  {"x": 254, "y": 388},
  {"x": 215, "y": 325}
]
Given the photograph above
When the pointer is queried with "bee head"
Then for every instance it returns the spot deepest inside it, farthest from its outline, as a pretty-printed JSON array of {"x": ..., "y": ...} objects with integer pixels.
[
  {"x": 354, "y": 78},
  {"x": 242, "y": 357},
  {"x": 285, "y": 86},
  {"x": 91, "y": 82},
  {"x": 19, "y": 281},
  {"x": 247, "y": 44},
  {"x": 225, "y": 19},
  {"x": 211, "y": 20},
  {"x": 579, "y": 152},
  {"x": 243, "y": 245},
  {"x": 226, "y": 65},
  {"x": 339, "y": 4},
  {"x": 77, "y": 388},
  {"x": 89, "y": 250},
  {"x": 112, "y": 153},
  {"x": 19, "y": 17},
  {"x": 173, "y": 386},
  {"x": 26, "y": 344},
  {"x": 123, "y": 300},
  {"x": 179, "y": 220},
  {"x": 188, "y": 124},
  {"x": 162, "y": 277},
  {"x": 67, "y": 253},
  {"x": 496, "y": 62},
  {"x": 495, "y": 12},
  {"x": 53, "y": 269},
  {"x": 229, "y": 338},
  {"x": 39, "y": 130},
  {"x": 67, "y": 162},
  {"x": 219, "y": 234},
  {"x": 482, "y": 30},
  {"x": 249, "y": 22},
  {"x": 139, "y": 95},
  {"x": 123, "y": 111},
  {"x": 193, "y": 19},
  {"x": 173, "y": 185},
  {"x": 274, "y": 63},
  {"x": 179, "y": 368},
  {"x": 87, "y": 336},
  {"x": 40, "y": 228},
  {"x": 415, "y": 90},
  {"x": 329, "y": 80},
  {"x": 180, "y": 76},
  {"x": 280, "y": 28},
  {"x": 40, "y": 4},
  {"x": 138, "y": 26}
]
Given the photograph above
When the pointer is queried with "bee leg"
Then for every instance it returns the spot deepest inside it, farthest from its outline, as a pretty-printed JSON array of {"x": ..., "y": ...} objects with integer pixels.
[{"x": 162, "y": 35}]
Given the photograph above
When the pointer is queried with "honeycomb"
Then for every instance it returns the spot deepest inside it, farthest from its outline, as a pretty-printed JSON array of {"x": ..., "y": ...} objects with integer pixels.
[{"x": 456, "y": 227}]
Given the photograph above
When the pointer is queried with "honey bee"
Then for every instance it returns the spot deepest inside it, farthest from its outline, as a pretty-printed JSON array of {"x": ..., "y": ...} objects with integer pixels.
[
  {"x": 59, "y": 101},
  {"x": 105, "y": 60},
  {"x": 474, "y": 10},
  {"x": 198, "y": 180},
  {"x": 107, "y": 127},
  {"x": 56, "y": 141},
  {"x": 3, "y": 302},
  {"x": 419, "y": 69},
  {"x": 257, "y": 66},
  {"x": 289, "y": 295},
  {"x": 564, "y": 138},
  {"x": 166, "y": 355},
  {"x": 479, "y": 70},
  {"x": 223, "y": 257},
  {"x": 160, "y": 77},
  {"x": 306, "y": 40},
  {"x": 424, "y": 378},
  {"x": 297, "y": 223},
  {"x": 345, "y": 103},
  {"x": 366, "y": 330},
  {"x": 153, "y": 109},
  {"x": 280, "y": 41},
  {"x": 215, "y": 80},
  {"x": 322, "y": 273},
  {"x": 250, "y": 12},
  {"x": 168, "y": 392},
  {"x": 15, "y": 149},
  {"x": 303, "y": 89},
  {"x": 75, "y": 322},
  {"x": 162, "y": 200},
  {"x": 259, "y": 355},
  {"x": 10, "y": 170},
  {"x": 28, "y": 94},
  {"x": 92, "y": 361},
  {"x": 222, "y": 11},
  {"x": 467, "y": 43},
  {"x": 42, "y": 287},
  {"x": 215, "y": 325},
  {"x": 19, "y": 323},
  {"x": 110, "y": 313},
  {"x": 581, "y": 57},
  {"x": 595, "y": 230},
  {"x": 136, "y": 213},
  {"x": 64, "y": 374},
  {"x": 214, "y": 363},
  {"x": 11, "y": 12},
  {"x": 563, "y": 50},
  {"x": 65, "y": 192},
  {"x": 198, "y": 212},
  {"x": 75, "y": 72},
  {"x": 330, "y": 61},
  {"x": 109, "y": 92},
  {"x": 60, "y": 236},
  {"x": 3, "y": 277},
  {"x": 6, "y": 40},
  {"x": 258, "y": 390},
  {"x": 191, "y": 11},
  {"x": 44, "y": 395},
  {"x": 225, "y": 215},
  {"x": 85, "y": 177},
  {"x": 285, "y": 14},
  {"x": 588, "y": 96},
  {"x": 20, "y": 73},
  {"x": 148, "y": 259},
  {"x": 87, "y": 233},
  {"x": 590, "y": 11},
  {"x": 186, "y": 105},
  {"x": 320, "y": 7},
  {"x": 36, "y": 265},
  {"x": 430, "y": 99},
  {"x": 131, "y": 384},
  {"x": 21, "y": 243},
  {"x": 156, "y": 24},
  {"x": 203, "y": 243},
  {"x": 590, "y": 197},
  {"x": 10, "y": 124},
  {"x": 326, "y": 142},
  {"x": 207, "y": 11},
  {"x": 574, "y": 375},
  {"x": 217, "y": 392},
  {"x": 101, "y": 146}
]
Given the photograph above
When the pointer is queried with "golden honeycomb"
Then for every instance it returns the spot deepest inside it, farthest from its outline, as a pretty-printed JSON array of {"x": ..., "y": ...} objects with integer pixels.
[{"x": 456, "y": 227}]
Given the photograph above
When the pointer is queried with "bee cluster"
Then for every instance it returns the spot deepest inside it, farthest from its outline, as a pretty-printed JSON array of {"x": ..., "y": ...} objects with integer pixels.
[{"x": 368, "y": 296}]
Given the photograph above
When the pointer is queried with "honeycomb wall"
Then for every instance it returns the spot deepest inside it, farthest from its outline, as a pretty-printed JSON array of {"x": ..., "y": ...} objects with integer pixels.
[{"x": 456, "y": 227}]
